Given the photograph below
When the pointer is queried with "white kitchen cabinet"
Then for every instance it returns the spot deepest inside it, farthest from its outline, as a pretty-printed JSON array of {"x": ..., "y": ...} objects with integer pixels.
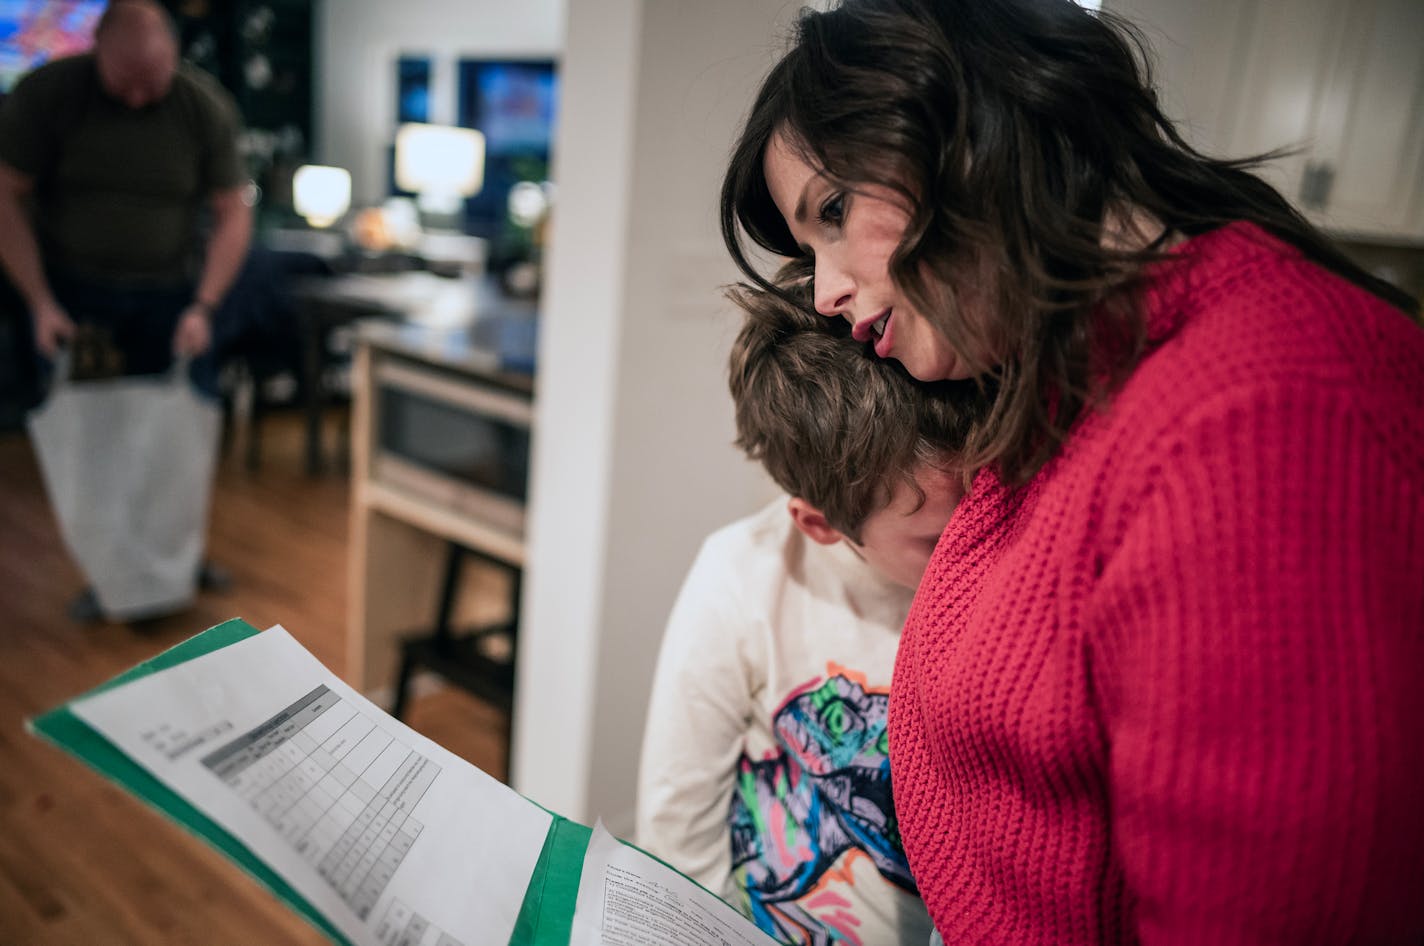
[
  {"x": 1370, "y": 142},
  {"x": 1341, "y": 82}
]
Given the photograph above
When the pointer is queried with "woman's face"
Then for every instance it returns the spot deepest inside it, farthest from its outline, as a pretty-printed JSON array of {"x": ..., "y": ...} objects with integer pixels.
[{"x": 851, "y": 237}]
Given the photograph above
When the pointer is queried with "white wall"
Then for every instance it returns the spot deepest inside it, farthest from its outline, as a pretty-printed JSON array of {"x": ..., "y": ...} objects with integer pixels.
[
  {"x": 359, "y": 42},
  {"x": 633, "y": 459},
  {"x": 633, "y": 463}
]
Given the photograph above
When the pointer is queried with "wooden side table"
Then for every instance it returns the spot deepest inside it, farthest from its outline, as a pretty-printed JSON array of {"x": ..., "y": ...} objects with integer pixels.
[{"x": 417, "y": 539}]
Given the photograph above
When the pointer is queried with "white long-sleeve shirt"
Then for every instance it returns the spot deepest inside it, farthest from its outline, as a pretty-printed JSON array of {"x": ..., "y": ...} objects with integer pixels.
[{"x": 765, "y": 765}]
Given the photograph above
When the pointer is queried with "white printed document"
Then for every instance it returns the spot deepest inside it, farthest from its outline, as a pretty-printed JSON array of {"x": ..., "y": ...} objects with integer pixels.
[
  {"x": 394, "y": 839},
  {"x": 629, "y": 898}
]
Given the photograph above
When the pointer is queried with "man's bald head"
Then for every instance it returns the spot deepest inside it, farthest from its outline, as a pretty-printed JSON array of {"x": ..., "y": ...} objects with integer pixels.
[{"x": 136, "y": 51}]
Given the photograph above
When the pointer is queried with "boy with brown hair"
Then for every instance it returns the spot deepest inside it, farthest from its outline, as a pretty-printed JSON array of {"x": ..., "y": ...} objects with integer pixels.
[{"x": 765, "y": 767}]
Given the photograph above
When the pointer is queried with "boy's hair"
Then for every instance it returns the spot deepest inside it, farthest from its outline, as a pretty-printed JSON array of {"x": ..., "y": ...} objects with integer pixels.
[{"x": 831, "y": 422}]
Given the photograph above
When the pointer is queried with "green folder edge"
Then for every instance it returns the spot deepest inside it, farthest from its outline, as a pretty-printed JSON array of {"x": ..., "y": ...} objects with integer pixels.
[{"x": 545, "y": 918}]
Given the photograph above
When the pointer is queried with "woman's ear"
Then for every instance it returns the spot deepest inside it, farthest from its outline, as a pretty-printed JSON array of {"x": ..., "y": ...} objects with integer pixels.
[{"x": 810, "y": 521}]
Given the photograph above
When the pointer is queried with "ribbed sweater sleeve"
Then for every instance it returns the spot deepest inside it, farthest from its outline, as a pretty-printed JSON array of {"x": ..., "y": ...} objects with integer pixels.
[{"x": 1256, "y": 648}]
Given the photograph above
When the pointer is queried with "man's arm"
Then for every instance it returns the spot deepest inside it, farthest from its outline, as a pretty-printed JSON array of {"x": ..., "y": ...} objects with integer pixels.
[
  {"x": 20, "y": 255},
  {"x": 227, "y": 248}
]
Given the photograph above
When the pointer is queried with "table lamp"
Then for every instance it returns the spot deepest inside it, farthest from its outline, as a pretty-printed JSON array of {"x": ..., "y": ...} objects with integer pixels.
[
  {"x": 321, "y": 194},
  {"x": 440, "y": 164}
]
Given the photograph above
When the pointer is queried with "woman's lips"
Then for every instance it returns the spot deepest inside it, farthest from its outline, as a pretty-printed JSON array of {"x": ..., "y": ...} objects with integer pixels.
[
  {"x": 883, "y": 344},
  {"x": 869, "y": 329}
]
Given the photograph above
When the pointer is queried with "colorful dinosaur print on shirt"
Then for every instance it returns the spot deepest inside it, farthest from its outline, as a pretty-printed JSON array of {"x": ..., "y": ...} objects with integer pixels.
[{"x": 799, "y": 816}]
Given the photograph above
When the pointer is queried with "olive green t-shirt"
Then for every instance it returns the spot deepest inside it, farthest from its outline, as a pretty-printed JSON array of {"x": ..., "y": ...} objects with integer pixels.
[{"x": 118, "y": 191}]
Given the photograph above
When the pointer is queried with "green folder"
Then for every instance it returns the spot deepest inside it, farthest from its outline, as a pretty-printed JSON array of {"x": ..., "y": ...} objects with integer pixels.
[{"x": 545, "y": 918}]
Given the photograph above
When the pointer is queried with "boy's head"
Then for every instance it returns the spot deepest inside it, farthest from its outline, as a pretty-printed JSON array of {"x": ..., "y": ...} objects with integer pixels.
[{"x": 867, "y": 453}]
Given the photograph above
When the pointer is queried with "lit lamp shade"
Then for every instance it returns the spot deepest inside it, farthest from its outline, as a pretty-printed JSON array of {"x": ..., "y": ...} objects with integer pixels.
[
  {"x": 440, "y": 164},
  {"x": 321, "y": 194}
]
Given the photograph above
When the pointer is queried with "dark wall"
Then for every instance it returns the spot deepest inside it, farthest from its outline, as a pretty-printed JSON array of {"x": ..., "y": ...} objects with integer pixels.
[{"x": 261, "y": 51}]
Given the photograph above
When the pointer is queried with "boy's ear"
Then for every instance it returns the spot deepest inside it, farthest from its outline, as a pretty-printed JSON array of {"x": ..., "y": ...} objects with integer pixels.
[{"x": 811, "y": 522}]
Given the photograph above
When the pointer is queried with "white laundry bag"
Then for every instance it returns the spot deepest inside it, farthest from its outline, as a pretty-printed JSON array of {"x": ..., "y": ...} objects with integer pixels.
[{"x": 128, "y": 464}]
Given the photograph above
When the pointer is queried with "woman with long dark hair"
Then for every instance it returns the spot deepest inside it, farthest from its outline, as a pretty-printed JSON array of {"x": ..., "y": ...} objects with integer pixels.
[{"x": 1160, "y": 682}]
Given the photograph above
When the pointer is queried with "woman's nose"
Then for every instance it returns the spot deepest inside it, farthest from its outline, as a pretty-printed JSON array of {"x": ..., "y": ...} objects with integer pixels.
[{"x": 833, "y": 290}]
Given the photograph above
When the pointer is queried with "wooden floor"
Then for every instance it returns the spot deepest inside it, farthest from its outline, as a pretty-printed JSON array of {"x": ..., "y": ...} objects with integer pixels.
[{"x": 82, "y": 862}]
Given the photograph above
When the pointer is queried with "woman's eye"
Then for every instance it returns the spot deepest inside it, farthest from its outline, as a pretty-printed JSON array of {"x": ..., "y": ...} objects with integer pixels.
[{"x": 832, "y": 212}]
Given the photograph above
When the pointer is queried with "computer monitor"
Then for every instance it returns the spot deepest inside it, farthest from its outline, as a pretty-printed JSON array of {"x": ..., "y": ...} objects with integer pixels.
[
  {"x": 513, "y": 103},
  {"x": 32, "y": 32}
]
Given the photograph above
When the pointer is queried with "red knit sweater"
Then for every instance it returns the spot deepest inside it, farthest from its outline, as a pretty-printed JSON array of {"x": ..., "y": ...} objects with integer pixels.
[{"x": 1172, "y": 691}]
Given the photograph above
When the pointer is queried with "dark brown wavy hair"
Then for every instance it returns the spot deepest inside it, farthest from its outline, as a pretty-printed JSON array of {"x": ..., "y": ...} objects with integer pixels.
[{"x": 1012, "y": 129}]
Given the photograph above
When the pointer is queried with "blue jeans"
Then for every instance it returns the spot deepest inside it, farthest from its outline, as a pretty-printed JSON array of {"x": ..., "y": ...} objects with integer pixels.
[{"x": 140, "y": 322}]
